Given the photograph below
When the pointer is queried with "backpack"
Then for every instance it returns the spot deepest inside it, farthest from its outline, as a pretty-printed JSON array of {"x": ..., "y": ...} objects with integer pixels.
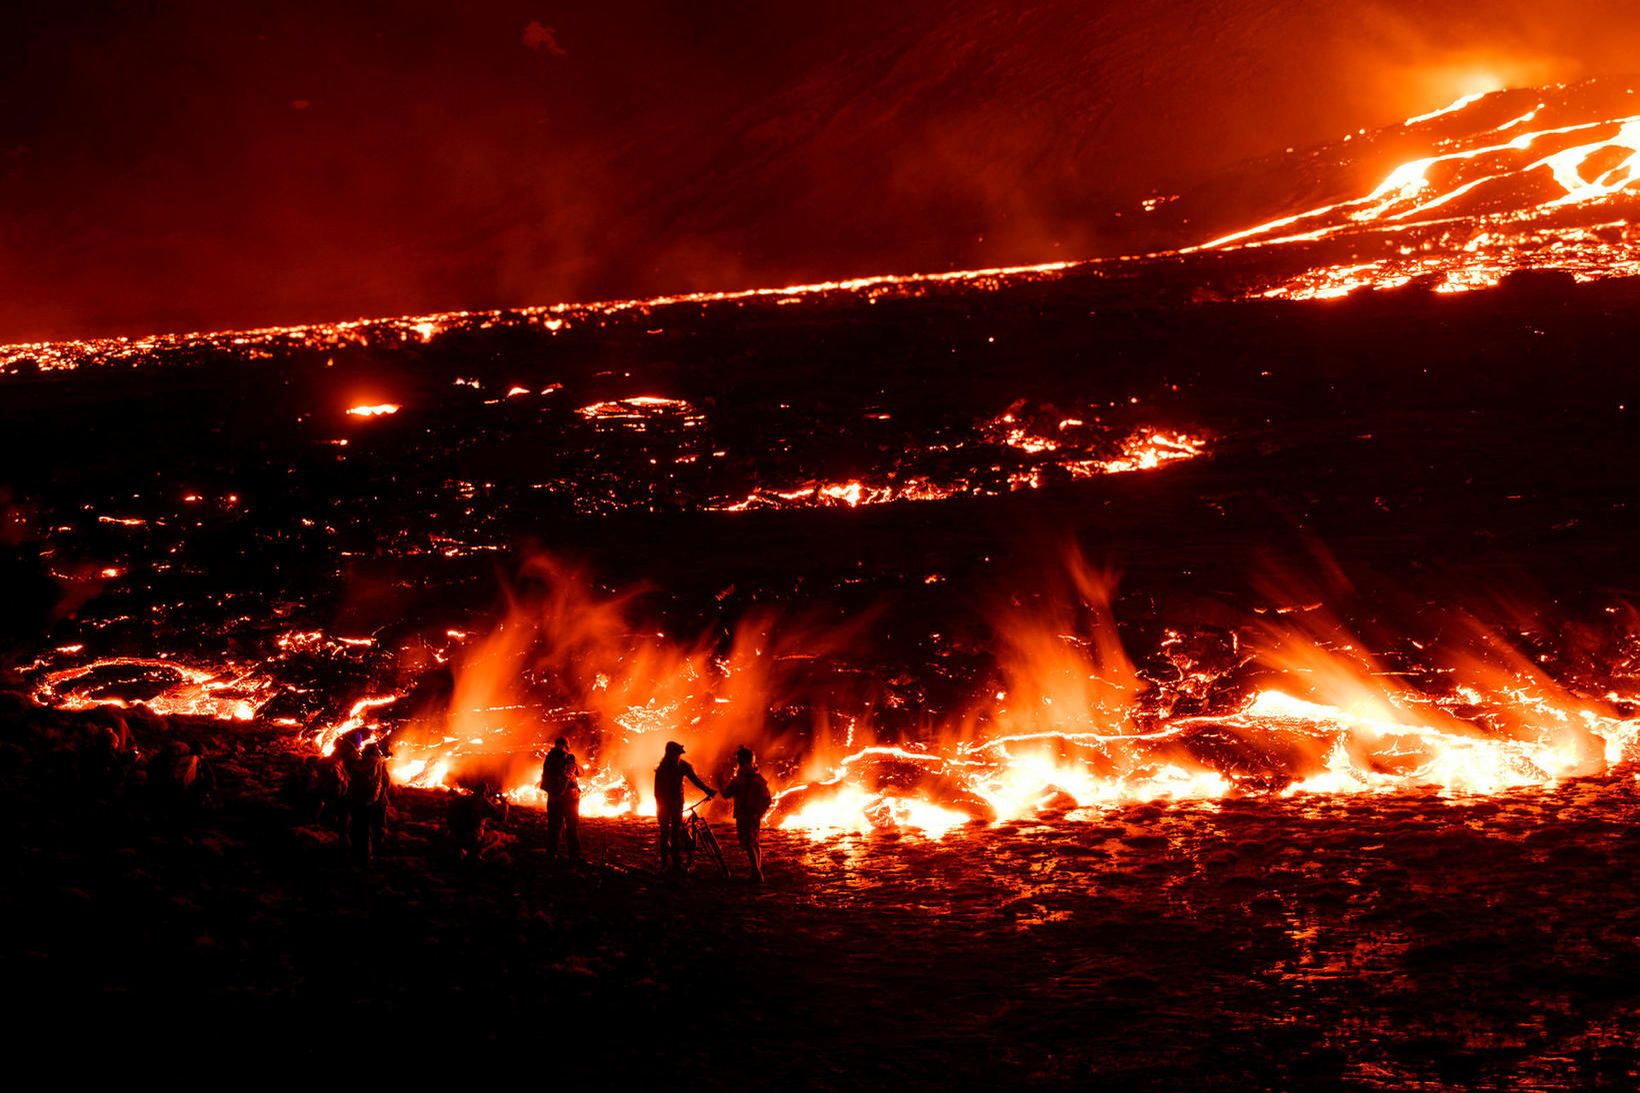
[
  {"x": 558, "y": 774},
  {"x": 368, "y": 786},
  {"x": 757, "y": 793}
]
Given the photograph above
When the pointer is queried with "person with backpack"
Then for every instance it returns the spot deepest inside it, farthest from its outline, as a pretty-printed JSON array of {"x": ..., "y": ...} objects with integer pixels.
[
  {"x": 561, "y": 782},
  {"x": 750, "y": 792}
]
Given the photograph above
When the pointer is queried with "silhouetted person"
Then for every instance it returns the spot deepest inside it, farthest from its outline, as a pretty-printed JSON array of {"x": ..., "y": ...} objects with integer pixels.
[
  {"x": 331, "y": 808},
  {"x": 469, "y": 817},
  {"x": 369, "y": 793},
  {"x": 561, "y": 782},
  {"x": 750, "y": 792},
  {"x": 669, "y": 776}
]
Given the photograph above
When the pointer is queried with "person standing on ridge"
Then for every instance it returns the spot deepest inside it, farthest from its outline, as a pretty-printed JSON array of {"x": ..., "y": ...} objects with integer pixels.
[
  {"x": 669, "y": 776},
  {"x": 561, "y": 782},
  {"x": 750, "y": 792}
]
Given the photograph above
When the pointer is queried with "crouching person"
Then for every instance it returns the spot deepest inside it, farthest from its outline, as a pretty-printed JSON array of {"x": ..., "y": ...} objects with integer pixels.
[
  {"x": 750, "y": 792},
  {"x": 469, "y": 821}
]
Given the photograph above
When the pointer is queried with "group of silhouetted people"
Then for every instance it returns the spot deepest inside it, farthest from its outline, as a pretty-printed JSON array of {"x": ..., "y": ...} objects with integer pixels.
[
  {"x": 748, "y": 789},
  {"x": 561, "y": 782},
  {"x": 350, "y": 792}
]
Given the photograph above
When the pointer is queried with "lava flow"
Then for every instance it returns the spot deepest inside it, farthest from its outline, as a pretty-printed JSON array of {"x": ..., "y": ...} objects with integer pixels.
[
  {"x": 1544, "y": 179},
  {"x": 1060, "y": 722},
  {"x": 1495, "y": 183},
  {"x": 1068, "y": 448}
]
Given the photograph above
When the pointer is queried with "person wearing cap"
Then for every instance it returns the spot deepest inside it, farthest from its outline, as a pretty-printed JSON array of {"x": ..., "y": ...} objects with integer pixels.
[
  {"x": 750, "y": 792},
  {"x": 669, "y": 776},
  {"x": 561, "y": 781}
]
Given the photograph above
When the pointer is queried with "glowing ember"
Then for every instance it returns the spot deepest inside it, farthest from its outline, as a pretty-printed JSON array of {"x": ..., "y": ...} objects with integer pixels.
[
  {"x": 1145, "y": 450},
  {"x": 379, "y": 409},
  {"x": 850, "y": 494}
]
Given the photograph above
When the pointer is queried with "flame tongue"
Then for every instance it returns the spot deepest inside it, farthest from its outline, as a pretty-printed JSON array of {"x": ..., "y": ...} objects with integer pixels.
[{"x": 1070, "y": 724}]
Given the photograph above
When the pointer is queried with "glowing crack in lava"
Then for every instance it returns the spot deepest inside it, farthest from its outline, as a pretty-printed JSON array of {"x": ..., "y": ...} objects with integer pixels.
[
  {"x": 1069, "y": 448},
  {"x": 1063, "y": 724},
  {"x": 1511, "y": 181}
]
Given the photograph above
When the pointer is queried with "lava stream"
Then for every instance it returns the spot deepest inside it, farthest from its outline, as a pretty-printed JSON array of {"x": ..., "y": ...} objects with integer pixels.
[{"x": 1064, "y": 724}]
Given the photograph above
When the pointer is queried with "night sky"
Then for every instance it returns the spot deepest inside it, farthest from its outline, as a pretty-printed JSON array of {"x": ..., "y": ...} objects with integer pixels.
[{"x": 183, "y": 166}]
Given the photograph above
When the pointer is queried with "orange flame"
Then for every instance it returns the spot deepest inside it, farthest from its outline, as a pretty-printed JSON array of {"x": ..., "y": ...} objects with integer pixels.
[{"x": 1066, "y": 726}]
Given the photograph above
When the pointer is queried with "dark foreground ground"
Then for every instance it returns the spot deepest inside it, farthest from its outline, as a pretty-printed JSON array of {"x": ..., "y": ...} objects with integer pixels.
[{"x": 1375, "y": 942}]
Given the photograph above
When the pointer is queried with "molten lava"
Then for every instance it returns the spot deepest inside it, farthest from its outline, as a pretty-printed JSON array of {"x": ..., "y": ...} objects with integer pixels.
[
  {"x": 1493, "y": 183},
  {"x": 1063, "y": 724},
  {"x": 1510, "y": 181}
]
